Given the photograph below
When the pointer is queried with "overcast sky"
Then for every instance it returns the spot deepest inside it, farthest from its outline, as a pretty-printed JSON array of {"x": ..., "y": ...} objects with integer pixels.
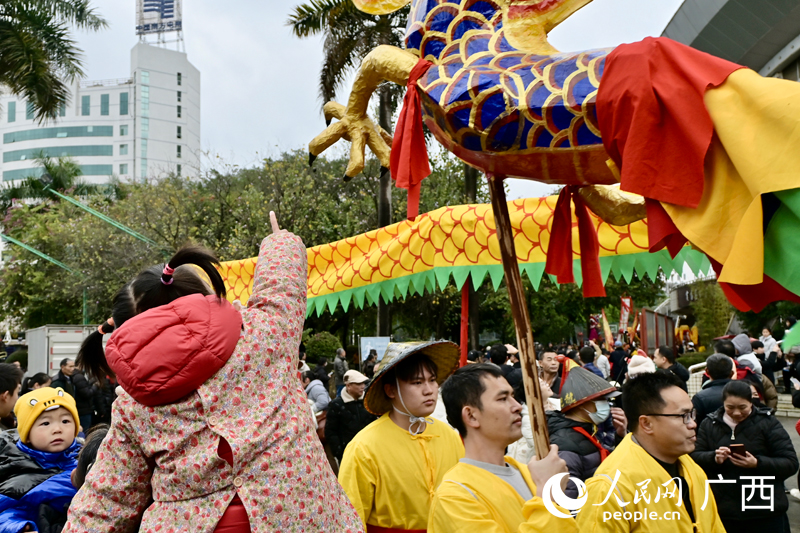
[{"x": 259, "y": 83}]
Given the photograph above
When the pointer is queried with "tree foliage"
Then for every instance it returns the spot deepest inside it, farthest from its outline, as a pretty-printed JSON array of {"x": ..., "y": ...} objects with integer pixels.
[
  {"x": 38, "y": 57},
  {"x": 712, "y": 310},
  {"x": 322, "y": 345}
]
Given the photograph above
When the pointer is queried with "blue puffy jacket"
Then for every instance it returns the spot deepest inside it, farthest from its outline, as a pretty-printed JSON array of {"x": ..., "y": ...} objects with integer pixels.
[{"x": 30, "y": 478}]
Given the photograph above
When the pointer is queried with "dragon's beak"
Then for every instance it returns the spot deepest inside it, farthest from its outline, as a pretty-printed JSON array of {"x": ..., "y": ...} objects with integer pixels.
[{"x": 380, "y": 7}]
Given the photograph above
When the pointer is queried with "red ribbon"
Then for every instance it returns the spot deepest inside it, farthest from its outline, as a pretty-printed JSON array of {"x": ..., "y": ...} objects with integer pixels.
[
  {"x": 409, "y": 160},
  {"x": 559, "y": 252}
]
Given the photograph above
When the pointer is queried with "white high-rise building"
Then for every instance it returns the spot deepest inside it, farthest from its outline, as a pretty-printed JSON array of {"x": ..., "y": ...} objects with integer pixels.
[{"x": 145, "y": 125}]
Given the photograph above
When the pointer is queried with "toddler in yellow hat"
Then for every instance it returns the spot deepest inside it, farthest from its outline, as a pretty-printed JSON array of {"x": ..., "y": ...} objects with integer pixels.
[{"x": 40, "y": 463}]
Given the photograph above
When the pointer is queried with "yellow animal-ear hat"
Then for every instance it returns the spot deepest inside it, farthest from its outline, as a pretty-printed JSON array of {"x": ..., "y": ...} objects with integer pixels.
[{"x": 31, "y": 405}]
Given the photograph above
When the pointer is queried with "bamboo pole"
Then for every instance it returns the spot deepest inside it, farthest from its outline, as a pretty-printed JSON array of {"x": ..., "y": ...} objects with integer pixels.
[{"x": 519, "y": 310}]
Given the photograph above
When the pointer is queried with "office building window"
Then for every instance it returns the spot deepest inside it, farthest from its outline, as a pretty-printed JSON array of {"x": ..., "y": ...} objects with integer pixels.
[
  {"x": 145, "y": 127},
  {"x": 123, "y": 103},
  {"x": 179, "y": 111},
  {"x": 144, "y": 169},
  {"x": 144, "y": 148},
  {"x": 123, "y": 168},
  {"x": 12, "y": 111},
  {"x": 123, "y": 130},
  {"x": 179, "y": 152},
  {"x": 179, "y": 132},
  {"x": 145, "y": 77},
  {"x": 179, "y": 78},
  {"x": 62, "y": 110},
  {"x": 104, "y": 104},
  {"x": 179, "y": 96},
  {"x": 85, "y": 105},
  {"x": 179, "y": 170},
  {"x": 123, "y": 149},
  {"x": 29, "y": 111}
]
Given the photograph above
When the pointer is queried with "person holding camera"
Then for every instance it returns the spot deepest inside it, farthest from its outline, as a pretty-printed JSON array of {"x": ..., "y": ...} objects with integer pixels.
[{"x": 737, "y": 440}]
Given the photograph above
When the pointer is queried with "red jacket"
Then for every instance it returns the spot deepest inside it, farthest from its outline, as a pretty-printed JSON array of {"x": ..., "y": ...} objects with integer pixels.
[{"x": 201, "y": 332}]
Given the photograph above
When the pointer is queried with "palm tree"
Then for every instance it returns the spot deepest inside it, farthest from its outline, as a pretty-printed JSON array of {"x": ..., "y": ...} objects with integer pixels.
[
  {"x": 61, "y": 174},
  {"x": 38, "y": 57},
  {"x": 350, "y": 35}
]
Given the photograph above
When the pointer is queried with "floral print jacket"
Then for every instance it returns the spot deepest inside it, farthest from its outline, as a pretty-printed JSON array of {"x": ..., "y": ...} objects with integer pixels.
[{"x": 160, "y": 465}]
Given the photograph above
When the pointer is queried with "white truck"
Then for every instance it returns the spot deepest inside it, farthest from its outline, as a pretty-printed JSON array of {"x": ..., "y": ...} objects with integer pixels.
[{"x": 49, "y": 345}]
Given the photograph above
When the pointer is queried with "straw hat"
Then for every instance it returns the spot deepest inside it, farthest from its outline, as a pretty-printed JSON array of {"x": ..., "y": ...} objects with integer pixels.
[
  {"x": 583, "y": 386},
  {"x": 444, "y": 354}
]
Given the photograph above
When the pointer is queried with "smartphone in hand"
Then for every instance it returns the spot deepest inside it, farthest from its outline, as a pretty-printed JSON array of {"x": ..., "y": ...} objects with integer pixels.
[{"x": 738, "y": 449}]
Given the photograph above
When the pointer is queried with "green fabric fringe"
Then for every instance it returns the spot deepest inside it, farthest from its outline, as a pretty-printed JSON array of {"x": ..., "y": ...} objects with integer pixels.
[{"x": 621, "y": 266}]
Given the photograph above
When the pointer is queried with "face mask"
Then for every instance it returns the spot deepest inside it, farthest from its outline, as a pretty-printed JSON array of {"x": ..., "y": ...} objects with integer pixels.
[{"x": 602, "y": 414}]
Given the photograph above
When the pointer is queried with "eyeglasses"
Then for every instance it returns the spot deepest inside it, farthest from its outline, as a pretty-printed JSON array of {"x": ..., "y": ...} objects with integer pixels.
[{"x": 691, "y": 416}]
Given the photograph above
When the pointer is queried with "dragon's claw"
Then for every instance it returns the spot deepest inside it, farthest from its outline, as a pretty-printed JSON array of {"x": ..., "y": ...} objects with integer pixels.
[{"x": 361, "y": 131}]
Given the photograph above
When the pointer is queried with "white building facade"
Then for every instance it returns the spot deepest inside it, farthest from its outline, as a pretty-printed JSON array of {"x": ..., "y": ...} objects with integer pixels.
[{"x": 143, "y": 126}]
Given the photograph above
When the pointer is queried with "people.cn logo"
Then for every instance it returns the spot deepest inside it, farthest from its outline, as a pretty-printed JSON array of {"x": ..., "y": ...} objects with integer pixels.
[{"x": 553, "y": 493}]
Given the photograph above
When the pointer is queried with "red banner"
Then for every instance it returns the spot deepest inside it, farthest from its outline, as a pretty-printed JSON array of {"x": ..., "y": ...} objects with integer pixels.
[{"x": 625, "y": 307}]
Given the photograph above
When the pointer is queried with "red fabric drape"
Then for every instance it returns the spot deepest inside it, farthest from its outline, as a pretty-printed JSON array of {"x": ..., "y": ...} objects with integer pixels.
[
  {"x": 559, "y": 251},
  {"x": 409, "y": 159},
  {"x": 655, "y": 124}
]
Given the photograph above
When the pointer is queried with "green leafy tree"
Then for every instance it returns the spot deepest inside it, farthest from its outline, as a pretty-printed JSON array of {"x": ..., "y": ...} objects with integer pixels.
[
  {"x": 38, "y": 57},
  {"x": 60, "y": 174},
  {"x": 712, "y": 310},
  {"x": 320, "y": 345}
]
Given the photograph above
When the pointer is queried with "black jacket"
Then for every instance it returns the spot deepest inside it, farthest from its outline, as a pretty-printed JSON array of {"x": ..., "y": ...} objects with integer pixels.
[
  {"x": 344, "y": 420},
  {"x": 772, "y": 363},
  {"x": 764, "y": 437},
  {"x": 680, "y": 371},
  {"x": 709, "y": 399},
  {"x": 580, "y": 454},
  {"x": 60, "y": 380},
  {"x": 619, "y": 365},
  {"x": 84, "y": 393}
]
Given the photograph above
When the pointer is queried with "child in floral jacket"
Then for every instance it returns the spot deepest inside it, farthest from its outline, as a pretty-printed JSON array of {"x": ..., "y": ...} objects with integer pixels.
[{"x": 212, "y": 425}]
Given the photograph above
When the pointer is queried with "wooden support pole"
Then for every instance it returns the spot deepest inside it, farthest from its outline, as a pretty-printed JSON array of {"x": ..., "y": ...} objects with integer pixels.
[
  {"x": 519, "y": 310},
  {"x": 464, "y": 322}
]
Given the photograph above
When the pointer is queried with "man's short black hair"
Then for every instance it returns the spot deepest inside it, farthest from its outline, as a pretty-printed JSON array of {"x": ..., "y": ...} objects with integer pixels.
[
  {"x": 465, "y": 387},
  {"x": 719, "y": 366},
  {"x": 540, "y": 353},
  {"x": 725, "y": 348},
  {"x": 65, "y": 361},
  {"x": 755, "y": 345},
  {"x": 498, "y": 354},
  {"x": 10, "y": 378},
  {"x": 643, "y": 395},
  {"x": 667, "y": 353},
  {"x": 411, "y": 367},
  {"x": 587, "y": 355}
]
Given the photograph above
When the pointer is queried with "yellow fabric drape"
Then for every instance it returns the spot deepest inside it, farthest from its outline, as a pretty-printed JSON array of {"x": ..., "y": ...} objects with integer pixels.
[{"x": 754, "y": 152}]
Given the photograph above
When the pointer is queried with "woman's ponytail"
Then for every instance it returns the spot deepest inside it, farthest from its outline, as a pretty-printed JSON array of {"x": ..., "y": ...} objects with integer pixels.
[{"x": 91, "y": 357}]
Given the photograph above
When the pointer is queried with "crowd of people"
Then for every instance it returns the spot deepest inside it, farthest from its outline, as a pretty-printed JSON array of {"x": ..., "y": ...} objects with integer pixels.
[{"x": 201, "y": 415}]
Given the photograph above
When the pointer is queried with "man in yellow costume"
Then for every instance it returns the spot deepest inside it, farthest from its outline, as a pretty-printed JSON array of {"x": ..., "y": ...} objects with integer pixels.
[
  {"x": 487, "y": 492},
  {"x": 391, "y": 468},
  {"x": 649, "y": 483}
]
